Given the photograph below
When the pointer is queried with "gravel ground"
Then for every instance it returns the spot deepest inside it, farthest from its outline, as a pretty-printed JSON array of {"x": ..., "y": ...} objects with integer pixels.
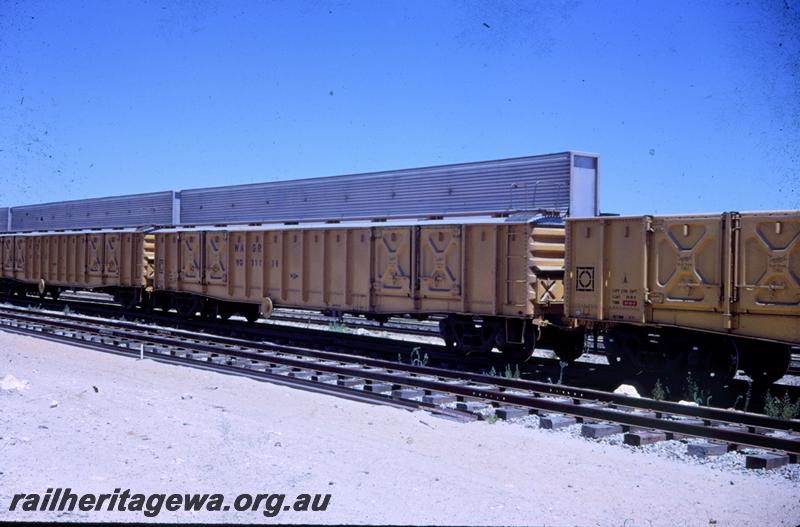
[{"x": 94, "y": 422}]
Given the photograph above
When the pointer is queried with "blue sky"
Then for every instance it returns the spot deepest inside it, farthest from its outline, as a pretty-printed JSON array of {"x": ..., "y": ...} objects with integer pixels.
[{"x": 693, "y": 106}]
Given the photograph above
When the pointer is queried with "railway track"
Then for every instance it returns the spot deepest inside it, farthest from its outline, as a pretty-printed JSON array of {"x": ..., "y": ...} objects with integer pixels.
[
  {"x": 297, "y": 316},
  {"x": 366, "y": 344},
  {"x": 586, "y": 372},
  {"x": 451, "y": 394},
  {"x": 395, "y": 324}
]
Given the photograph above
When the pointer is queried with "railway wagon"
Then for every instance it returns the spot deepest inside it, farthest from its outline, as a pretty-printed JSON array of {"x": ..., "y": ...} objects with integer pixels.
[
  {"x": 708, "y": 294},
  {"x": 119, "y": 262},
  {"x": 494, "y": 278}
]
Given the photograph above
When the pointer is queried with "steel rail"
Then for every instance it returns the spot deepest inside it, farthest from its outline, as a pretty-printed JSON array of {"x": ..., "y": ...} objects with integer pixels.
[
  {"x": 534, "y": 402},
  {"x": 573, "y": 392},
  {"x": 307, "y": 385},
  {"x": 364, "y": 343}
]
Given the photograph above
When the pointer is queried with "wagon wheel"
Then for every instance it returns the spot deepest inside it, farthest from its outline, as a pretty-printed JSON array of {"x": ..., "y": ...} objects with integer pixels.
[
  {"x": 643, "y": 364},
  {"x": 567, "y": 345},
  {"x": 514, "y": 351},
  {"x": 713, "y": 360},
  {"x": 771, "y": 370},
  {"x": 186, "y": 307},
  {"x": 450, "y": 334},
  {"x": 41, "y": 288}
]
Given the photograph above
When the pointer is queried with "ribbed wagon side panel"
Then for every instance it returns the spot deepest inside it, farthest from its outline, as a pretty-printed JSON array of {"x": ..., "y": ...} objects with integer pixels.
[
  {"x": 767, "y": 274},
  {"x": 529, "y": 183},
  {"x": 7, "y": 269},
  {"x": 117, "y": 211},
  {"x": 725, "y": 273}
]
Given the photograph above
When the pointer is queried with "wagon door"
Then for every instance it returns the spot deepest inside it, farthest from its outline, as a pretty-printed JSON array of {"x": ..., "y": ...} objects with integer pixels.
[
  {"x": 686, "y": 261},
  {"x": 440, "y": 268},
  {"x": 768, "y": 275},
  {"x": 392, "y": 270},
  {"x": 190, "y": 258},
  {"x": 95, "y": 250},
  {"x": 111, "y": 258},
  {"x": 216, "y": 263},
  {"x": 8, "y": 257}
]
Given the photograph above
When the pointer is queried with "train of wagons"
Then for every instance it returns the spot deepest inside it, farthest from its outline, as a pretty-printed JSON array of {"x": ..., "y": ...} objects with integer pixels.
[{"x": 705, "y": 294}]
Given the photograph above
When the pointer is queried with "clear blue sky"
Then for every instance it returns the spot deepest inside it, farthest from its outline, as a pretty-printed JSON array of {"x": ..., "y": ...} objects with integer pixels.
[{"x": 693, "y": 106}]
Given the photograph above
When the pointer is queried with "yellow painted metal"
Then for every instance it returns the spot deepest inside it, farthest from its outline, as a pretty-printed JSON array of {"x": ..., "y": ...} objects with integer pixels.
[
  {"x": 85, "y": 260},
  {"x": 491, "y": 269},
  {"x": 727, "y": 273}
]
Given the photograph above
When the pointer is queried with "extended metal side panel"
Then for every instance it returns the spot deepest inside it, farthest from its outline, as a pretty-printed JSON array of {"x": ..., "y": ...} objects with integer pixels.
[
  {"x": 108, "y": 212},
  {"x": 530, "y": 183}
]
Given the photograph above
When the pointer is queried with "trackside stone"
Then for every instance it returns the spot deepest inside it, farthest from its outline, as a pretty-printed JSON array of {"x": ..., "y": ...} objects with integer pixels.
[
  {"x": 640, "y": 438},
  {"x": 471, "y": 406},
  {"x": 766, "y": 460},
  {"x": 510, "y": 412},
  {"x": 733, "y": 428},
  {"x": 378, "y": 387},
  {"x": 706, "y": 449},
  {"x": 439, "y": 398},
  {"x": 407, "y": 393},
  {"x": 349, "y": 382},
  {"x": 598, "y": 430},
  {"x": 243, "y": 363},
  {"x": 691, "y": 421},
  {"x": 552, "y": 422}
]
